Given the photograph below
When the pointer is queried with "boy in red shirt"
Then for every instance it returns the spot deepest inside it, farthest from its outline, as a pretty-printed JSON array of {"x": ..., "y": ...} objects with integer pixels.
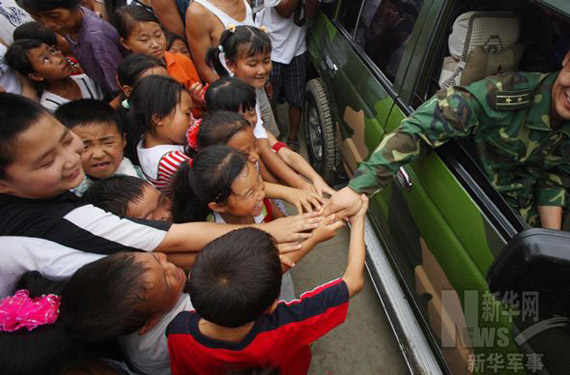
[{"x": 238, "y": 323}]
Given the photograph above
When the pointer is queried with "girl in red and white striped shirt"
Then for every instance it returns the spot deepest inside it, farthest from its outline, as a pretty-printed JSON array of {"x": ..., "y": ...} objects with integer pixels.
[{"x": 161, "y": 110}]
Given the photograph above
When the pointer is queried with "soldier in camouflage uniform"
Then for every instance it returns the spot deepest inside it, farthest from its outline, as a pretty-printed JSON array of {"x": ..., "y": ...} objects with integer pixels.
[{"x": 520, "y": 125}]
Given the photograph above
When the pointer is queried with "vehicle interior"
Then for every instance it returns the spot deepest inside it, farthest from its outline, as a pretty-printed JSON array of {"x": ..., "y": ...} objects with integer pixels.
[
  {"x": 480, "y": 38},
  {"x": 484, "y": 38}
]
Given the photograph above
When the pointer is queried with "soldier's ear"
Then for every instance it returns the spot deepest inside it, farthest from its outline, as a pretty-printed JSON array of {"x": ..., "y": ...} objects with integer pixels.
[{"x": 566, "y": 59}]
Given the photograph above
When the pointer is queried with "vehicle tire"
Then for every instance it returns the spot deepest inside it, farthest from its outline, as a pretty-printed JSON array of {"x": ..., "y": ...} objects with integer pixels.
[{"x": 320, "y": 133}]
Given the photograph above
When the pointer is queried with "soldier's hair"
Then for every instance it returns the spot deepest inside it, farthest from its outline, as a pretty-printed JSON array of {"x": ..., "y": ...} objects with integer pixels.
[
  {"x": 219, "y": 127},
  {"x": 236, "y": 277},
  {"x": 230, "y": 94},
  {"x": 244, "y": 41}
]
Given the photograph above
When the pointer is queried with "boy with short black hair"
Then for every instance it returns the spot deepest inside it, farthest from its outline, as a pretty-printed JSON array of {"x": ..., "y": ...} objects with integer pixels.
[
  {"x": 128, "y": 196},
  {"x": 150, "y": 296},
  {"x": 239, "y": 323},
  {"x": 43, "y": 226},
  {"x": 51, "y": 73},
  {"x": 99, "y": 127}
]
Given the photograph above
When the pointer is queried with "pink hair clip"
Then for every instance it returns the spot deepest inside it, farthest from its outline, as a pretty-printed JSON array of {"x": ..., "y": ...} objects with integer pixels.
[
  {"x": 192, "y": 133},
  {"x": 21, "y": 311}
]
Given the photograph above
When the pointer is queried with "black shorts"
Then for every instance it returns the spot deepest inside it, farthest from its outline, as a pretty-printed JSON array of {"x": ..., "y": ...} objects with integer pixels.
[{"x": 290, "y": 80}]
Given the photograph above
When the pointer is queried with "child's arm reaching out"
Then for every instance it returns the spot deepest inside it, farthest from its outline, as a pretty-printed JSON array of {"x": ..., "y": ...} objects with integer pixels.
[
  {"x": 301, "y": 166},
  {"x": 325, "y": 231},
  {"x": 354, "y": 274},
  {"x": 278, "y": 167},
  {"x": 188, "y": 237},
  {"x": 301, "y": 199}
]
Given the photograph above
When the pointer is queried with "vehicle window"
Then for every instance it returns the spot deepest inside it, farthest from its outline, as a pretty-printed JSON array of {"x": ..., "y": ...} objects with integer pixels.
[
  {"x": 384, "y": 29},
  {"x": 349, "y": 13},
  {"x": 328, "y": 7}
]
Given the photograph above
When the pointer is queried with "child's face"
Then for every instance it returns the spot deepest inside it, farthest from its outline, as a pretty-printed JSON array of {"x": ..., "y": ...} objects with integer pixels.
[
  {"x": 163, "y": 280},
  {"x": 49, "y": 64},
  {"x": 173, "y": 127},
  {"x": 103, "y": 151},
  {"x": 250, "y": 115},
  {"x": 146, "y": 38},
  {"x": 47, "y": 162},
  {"x": 153, "y": 205},
  {"x": 179, "y": 46},
  {"x": 248, "y": 191},
  {"x": 253, "y": 70},
  {"x": 244, "y": 141},
  {"x": 60, "y": 20}
]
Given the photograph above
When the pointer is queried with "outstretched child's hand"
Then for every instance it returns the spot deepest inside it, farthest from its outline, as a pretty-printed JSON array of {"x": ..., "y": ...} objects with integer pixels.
[
  {"x": 326, "y": 229},
  {"x": 321, "y": 186},
  {"x": 361, "y": 214},
  {"x": 304, "y": 200},
  {"x": 292, "y": 228}
]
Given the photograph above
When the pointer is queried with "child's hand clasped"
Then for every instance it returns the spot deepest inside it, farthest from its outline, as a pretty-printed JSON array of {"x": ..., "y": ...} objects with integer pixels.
[
  {"x": 327, "y": 229},
  {"x": 361, "y": 214}
]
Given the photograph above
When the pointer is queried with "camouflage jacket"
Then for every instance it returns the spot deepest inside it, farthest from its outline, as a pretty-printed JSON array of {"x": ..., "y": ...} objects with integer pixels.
[{"x": 507, "y": 115}]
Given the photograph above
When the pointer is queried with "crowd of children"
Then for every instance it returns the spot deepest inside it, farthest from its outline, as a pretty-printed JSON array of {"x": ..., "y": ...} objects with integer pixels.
[{"x": 143, "y": 227}]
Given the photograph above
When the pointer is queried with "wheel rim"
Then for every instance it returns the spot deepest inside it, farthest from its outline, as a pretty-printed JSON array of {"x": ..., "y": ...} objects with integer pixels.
[{"x": 315, "y": 132}]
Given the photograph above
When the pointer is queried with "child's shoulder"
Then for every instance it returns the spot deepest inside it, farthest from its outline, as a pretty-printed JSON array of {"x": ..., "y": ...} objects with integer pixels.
[{"x": 151, "y": 158}]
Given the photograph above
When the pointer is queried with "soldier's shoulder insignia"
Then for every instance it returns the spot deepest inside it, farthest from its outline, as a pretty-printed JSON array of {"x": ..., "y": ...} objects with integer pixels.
[{"x": 513, "y": 100}]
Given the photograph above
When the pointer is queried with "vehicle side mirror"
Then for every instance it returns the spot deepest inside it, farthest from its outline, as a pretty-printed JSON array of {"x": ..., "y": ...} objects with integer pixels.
[{"x": 535, "y": 260}]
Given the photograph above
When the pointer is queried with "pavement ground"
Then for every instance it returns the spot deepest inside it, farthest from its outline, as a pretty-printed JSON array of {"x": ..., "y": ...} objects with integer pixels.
[{"x": 365, "y": 343}]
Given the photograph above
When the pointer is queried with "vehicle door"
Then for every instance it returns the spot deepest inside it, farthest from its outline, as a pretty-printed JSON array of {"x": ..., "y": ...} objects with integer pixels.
[{"x": 443, "y": 229}]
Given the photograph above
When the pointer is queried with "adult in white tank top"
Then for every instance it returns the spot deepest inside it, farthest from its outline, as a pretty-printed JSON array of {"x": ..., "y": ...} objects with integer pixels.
[{"x": 205, "y": 22}]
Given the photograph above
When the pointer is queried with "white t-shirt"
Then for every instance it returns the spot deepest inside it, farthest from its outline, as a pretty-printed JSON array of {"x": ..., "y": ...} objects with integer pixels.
[
  {"x": 148, "y": 354},
  {"x": 287, "y": 39},
  {"x": 11, "y": 16},
  {"x": 8, "y": 78},
  {"x": 160, "y": 164},
  {"x": 89, "y": 90}
]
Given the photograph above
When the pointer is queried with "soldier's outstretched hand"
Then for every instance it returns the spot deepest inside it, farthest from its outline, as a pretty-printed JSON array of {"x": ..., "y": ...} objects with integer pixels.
[{"x": 344, "y": 203}]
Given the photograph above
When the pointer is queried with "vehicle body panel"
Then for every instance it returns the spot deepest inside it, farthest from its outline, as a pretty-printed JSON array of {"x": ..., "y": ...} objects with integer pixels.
[{"x": 437, "y": 236}]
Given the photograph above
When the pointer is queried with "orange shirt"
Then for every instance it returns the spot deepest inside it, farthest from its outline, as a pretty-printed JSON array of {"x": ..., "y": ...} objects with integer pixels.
[{"x": 181, "y": 69}]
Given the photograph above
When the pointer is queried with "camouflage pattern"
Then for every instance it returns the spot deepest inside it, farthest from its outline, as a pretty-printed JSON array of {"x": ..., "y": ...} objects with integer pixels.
[{"x": 507, "y": 117}]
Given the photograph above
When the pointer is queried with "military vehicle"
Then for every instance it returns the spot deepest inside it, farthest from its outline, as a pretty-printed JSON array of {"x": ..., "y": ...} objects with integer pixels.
[{"x": 468, "y": 287}]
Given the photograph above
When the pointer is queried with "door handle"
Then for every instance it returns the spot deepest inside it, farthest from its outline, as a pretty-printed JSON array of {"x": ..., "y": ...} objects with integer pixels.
[
  {"x": 330, "y": 64},
  {"x": 403, "y": 179}
]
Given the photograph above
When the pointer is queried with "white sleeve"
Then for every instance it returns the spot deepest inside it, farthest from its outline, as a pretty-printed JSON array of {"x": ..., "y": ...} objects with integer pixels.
[
  {"x": 52, "y": 260},
  {"x": 259, "y": 131}
]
